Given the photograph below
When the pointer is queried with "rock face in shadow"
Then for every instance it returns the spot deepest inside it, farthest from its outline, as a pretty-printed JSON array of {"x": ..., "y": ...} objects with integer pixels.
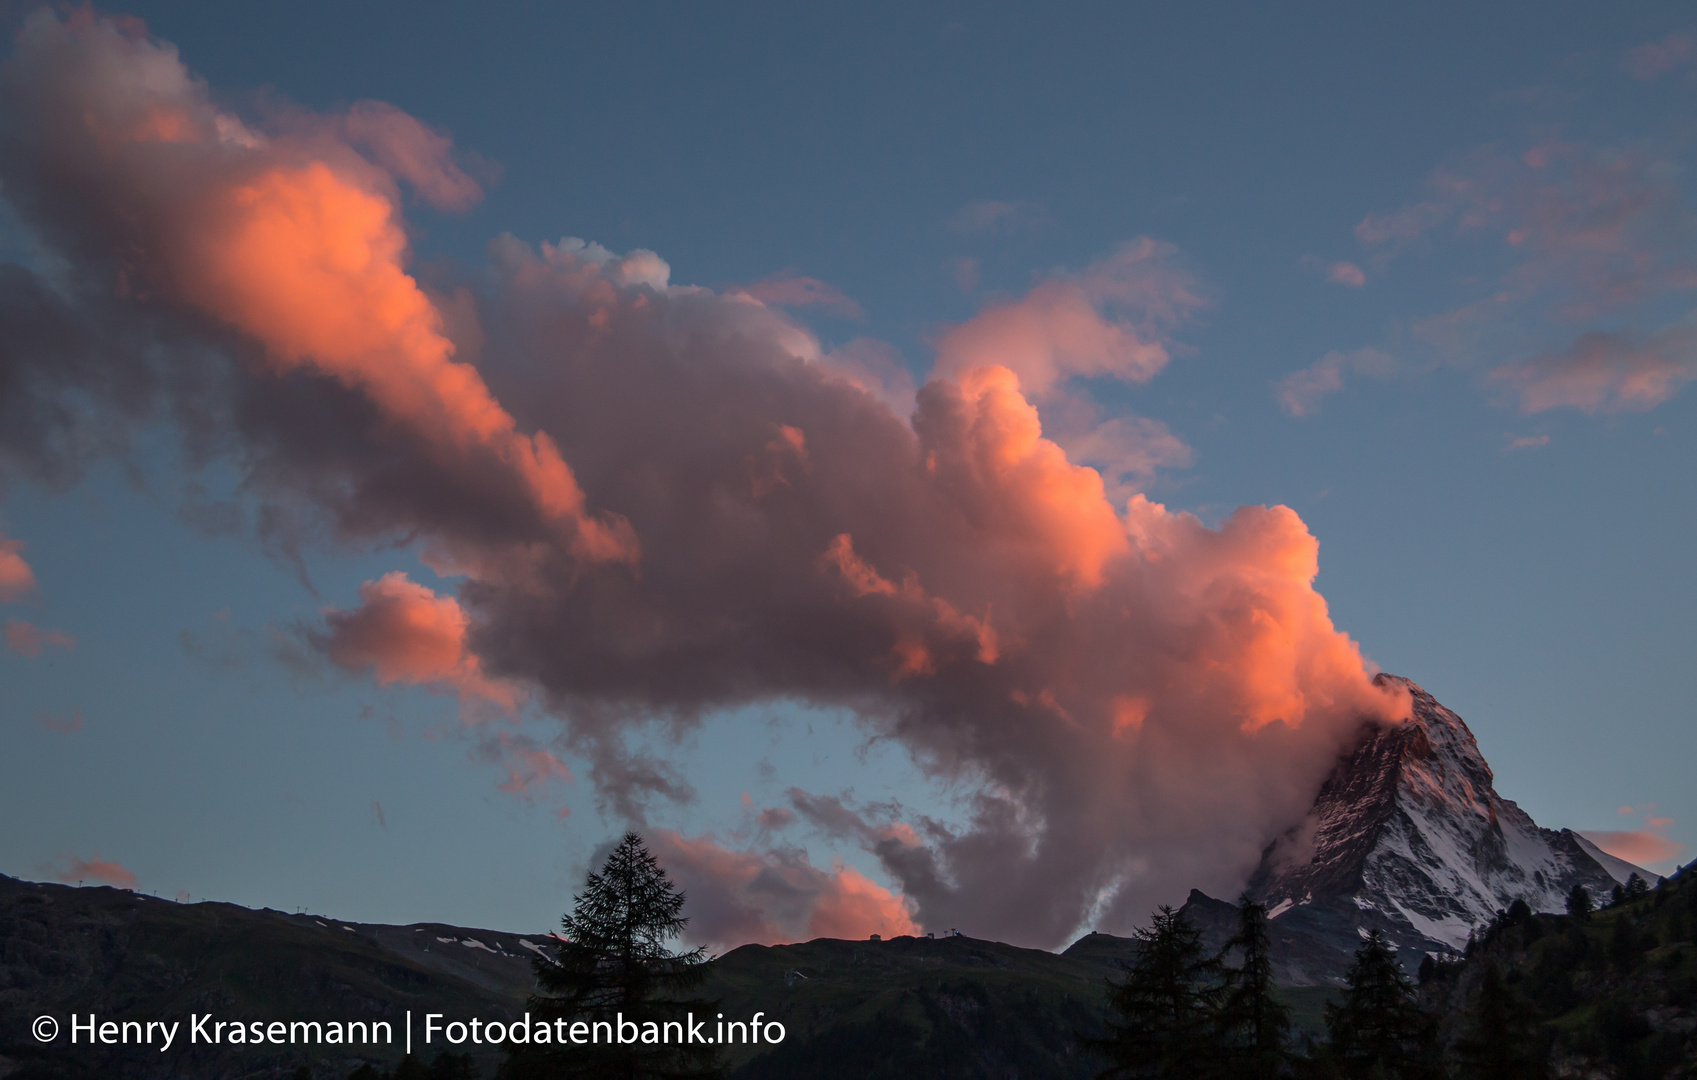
[{"x": 1408, "y": 836}]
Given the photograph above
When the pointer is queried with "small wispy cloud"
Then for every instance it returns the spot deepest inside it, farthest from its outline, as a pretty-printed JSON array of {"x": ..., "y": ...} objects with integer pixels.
[
  {"x": 27, "y": 639},
  {"x": 789, "y": 289},
  {"x": 994, "y": 216},
  {"x": 1525, "y": 442},
  {"x": 1301, "y": 392},
  {"x": 1657, "y": 58}
]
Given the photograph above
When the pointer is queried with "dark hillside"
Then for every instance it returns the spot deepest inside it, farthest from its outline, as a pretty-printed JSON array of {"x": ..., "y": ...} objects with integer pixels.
[
  {"x": 125, "y": 955},
  {"x": 1611, "y": 995}
]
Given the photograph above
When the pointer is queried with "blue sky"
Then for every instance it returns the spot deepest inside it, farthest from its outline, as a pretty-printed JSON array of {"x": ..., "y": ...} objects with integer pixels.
[{"x": 1443, "y": 201}]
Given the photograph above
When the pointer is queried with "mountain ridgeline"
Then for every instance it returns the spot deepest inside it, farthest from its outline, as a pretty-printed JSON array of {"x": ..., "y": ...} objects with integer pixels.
[{"x": 1407, "y": 838}]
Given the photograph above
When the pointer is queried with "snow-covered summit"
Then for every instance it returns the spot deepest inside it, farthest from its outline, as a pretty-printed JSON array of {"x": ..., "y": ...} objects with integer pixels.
[{"x": 1409, "y": 836}]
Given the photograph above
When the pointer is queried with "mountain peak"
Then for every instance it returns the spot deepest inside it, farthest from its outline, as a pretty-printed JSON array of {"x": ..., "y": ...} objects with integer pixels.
[{"x": 1409, "y": 836}]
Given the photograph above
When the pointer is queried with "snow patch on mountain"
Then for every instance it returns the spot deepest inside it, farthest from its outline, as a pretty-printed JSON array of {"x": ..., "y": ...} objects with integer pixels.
[{"x": 1409, "y": 836}]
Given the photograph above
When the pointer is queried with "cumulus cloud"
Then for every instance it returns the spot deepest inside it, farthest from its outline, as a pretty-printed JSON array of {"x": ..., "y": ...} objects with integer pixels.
[
  {"x": 26, "y": 639},
  {"x": 660, "y": 501},
  {"x": 17, "y": 580},
  {"x": 99, "y": 870},
  {"x": 1301, "y": 392}
]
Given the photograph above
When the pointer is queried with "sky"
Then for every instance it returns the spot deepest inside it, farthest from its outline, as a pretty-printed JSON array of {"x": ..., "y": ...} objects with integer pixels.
[{"x": 924, "y": 466}]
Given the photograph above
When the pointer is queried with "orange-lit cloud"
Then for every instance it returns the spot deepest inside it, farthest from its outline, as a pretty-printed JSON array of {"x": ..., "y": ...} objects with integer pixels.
[
  {"x": 1640, "y": 846},
  {"x": 1648, "y": 847},
  {"x": 26, "y": 639},
  {"x": 774, "y": 896},
  {"x": 404, "y": 633},
  {"x": 16, "y": 577},
  {"x": 99, "y": 870},
  {"x": 1058, "y": 329},
  {"x": 1128, "y": 702}
]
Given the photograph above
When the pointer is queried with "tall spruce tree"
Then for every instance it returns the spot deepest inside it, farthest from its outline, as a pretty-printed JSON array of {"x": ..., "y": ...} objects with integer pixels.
[
  {"x": 1163, "y": 1017},
  {"x": 615, "y": 962},
  {"x": 1253, "y": 1025},
  {"x": 1379, "y": 1029}
]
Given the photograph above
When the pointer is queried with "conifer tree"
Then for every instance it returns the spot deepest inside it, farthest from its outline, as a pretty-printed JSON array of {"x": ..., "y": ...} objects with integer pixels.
[
  {"x": 1254, "y": 1026},
  {"x": 1379, "y": 1029},
  {"x": 615, "y": 962},
  {"x": 1499, "y": 1042},
  {"x": 1579, "y": 904},
  {"x": 1164, "y": 1015}
]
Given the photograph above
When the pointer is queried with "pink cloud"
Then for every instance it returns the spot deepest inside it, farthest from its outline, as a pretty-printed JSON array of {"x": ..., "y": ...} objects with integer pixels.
[
  {"x": 1657, "y": 58},
  {"x": 1526, "y": 442},
  {"x": 528, "y": 766},
  {"x": 1300, "y": 392},
  {"x": 27, "y": 640},
  {"x": 774, "y": 896},
  {"x": 100, "y": 870},
  {"x": 17, "y": 580},
  {"x": 66, "y": 725},
  {"x": 404, "y": 633},
  {"x": 1347, "y": 274},
  {"x": 1605, "y": 373},
  {"x": 1127, "y": 451},
  {"x": 1058, "y": 330},
  {"x": 1645, "y": 848},
  {"x": 412, "y": 152},
  {"x": 1404, "y": 224},
  {"x": 789, "y": 289},
  {"x": 1125, "y": 701}
]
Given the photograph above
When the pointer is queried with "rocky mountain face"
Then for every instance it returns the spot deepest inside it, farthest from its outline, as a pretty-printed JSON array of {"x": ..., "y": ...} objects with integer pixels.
[{"x": 1409, "y": 837}]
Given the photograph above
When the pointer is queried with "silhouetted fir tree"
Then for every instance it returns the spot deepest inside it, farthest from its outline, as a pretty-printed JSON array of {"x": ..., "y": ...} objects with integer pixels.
[
  {"x": 1635, "y": 886},
  {"x": 1500, "y": 1040},
  {"x": 1163, "y": 1018},
  {"x": 615, "y": 962},
  {"x": 1378, "y": 1029},
  {"x": 1254, "y": 1026},
  {"x": 1579, "y": 903}
]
